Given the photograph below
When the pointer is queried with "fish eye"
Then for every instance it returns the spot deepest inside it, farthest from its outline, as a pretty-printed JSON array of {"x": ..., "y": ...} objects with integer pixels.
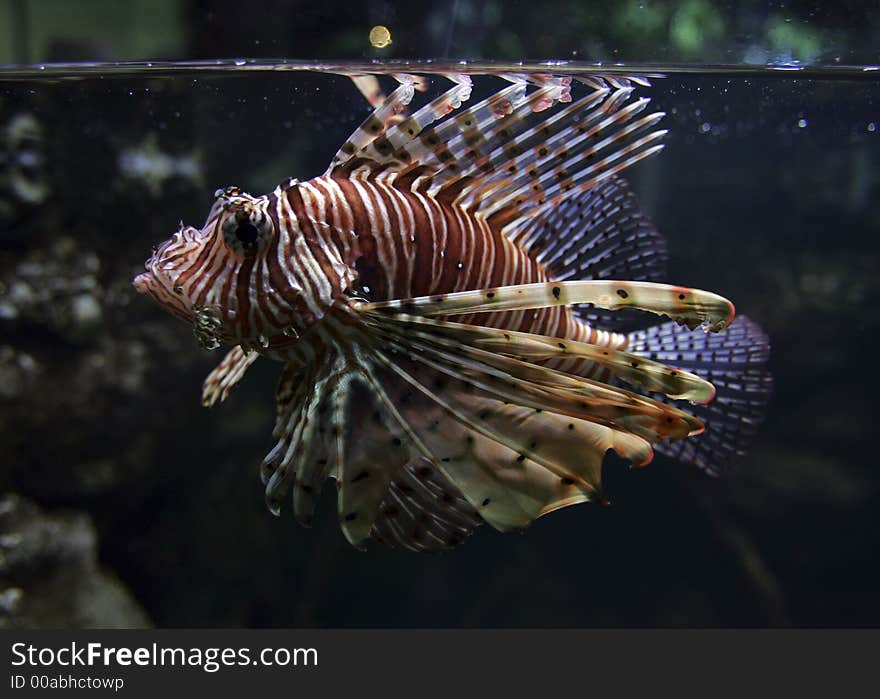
[
  {"x": 247, "y": 234},
  {"x": 241, "y": 234}
]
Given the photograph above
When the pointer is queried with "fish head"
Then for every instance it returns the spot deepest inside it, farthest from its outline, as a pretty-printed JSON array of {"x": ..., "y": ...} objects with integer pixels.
[{"x": 209, "y": 276}]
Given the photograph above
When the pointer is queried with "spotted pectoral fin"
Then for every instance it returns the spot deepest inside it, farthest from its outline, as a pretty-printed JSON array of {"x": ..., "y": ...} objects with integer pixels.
[
  {"x": 372, "y": 446},
  {"x": 226, "y": 374},
  {"x": 300, "y": 399},
  {"x": 488, "y": 433},
  {"x": 638, "y": 371},
  {"x": 424, "y": 444},
  {"x": 344, "y": 422},
  {"x": 539, "y": 387},
  {"x": 423, "y": 511},
  {"x": 511, "y": 462},
  {"x": 690, "y": 307},
  {"x": 335, "y": 423}
]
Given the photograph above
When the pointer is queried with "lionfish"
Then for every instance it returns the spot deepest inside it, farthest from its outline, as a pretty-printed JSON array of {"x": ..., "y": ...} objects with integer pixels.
[{"x": 446, "y": 301}]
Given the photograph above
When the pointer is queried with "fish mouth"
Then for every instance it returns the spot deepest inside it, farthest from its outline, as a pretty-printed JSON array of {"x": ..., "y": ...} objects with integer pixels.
[
  {"x": 157, "y": 283},
  {"x": 142, "y": 283},
  {"x": 159, "y": 287}
]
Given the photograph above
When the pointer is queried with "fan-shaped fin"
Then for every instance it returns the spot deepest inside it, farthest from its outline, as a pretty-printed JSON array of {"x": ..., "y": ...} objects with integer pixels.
[
  {"x": 423, "y": 511},
  {"x": 542, "y": 388},
  {"x": 634, "y": 370},
  {"x": 514, "y": 439},
  {"x": 735, "y": 362},
  {"x": 489, "y": 449},
  {"x": 299, "y": 399},
  {"x": 374, "y": 447}
]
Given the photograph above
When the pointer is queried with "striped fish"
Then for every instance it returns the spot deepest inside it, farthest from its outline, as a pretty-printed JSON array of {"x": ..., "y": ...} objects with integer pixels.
[{"x": 451, "y": 300}]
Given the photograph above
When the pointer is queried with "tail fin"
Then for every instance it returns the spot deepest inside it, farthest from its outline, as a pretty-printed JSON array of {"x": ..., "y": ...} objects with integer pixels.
[{"x": 735, "y": 362}]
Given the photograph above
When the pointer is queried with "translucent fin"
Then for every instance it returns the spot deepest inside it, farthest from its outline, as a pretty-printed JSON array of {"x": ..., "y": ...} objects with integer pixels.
[
  {"x": 510, "y": 147},
  {"x": 486, "y": 435},
  {"x": 423, "y": 511},
  {"x": 691, "y": 307},
  {"x": 377, "y": 457},
  {"x": 394, "y": 148},
  {"x": 735, "y": 362},
  {"x": 341, "y": 425},
  {"x": 226, "y": 374},
  {"x": 598, "y": 234},
  {"x": 607, "y": 141},
  {"x": 637, "y": 371},
  {"x": 298, "y": 398},
  {"x": 369, "y": 87},
  {"x": 505, "y": 459},
  {"x": 430, "y": 426},
  {"x": 372, "y": 447},
  {"x": 377, "y": 123},
  {"x": 416, "y": 147},
  {"x": 321, "y": 459},
  {"x": 541, "y": 388}
]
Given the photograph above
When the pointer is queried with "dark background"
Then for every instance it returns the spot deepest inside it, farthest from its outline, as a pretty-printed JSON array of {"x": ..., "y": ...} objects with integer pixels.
[{"x": 128, "y": 504}]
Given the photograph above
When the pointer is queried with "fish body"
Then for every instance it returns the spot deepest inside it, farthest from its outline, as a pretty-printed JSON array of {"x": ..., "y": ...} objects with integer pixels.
[
  {"x": 423, "y": 294},
  {"x": 339, "y": 235}
]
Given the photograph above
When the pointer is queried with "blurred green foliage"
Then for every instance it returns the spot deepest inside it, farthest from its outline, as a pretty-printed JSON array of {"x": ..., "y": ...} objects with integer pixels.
[
  {"x": 803, "y": 43},
  {"x": 705, "y": 31},
  {"x": 694, "y": 25},
  {"x": 41, "y": 30}
]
